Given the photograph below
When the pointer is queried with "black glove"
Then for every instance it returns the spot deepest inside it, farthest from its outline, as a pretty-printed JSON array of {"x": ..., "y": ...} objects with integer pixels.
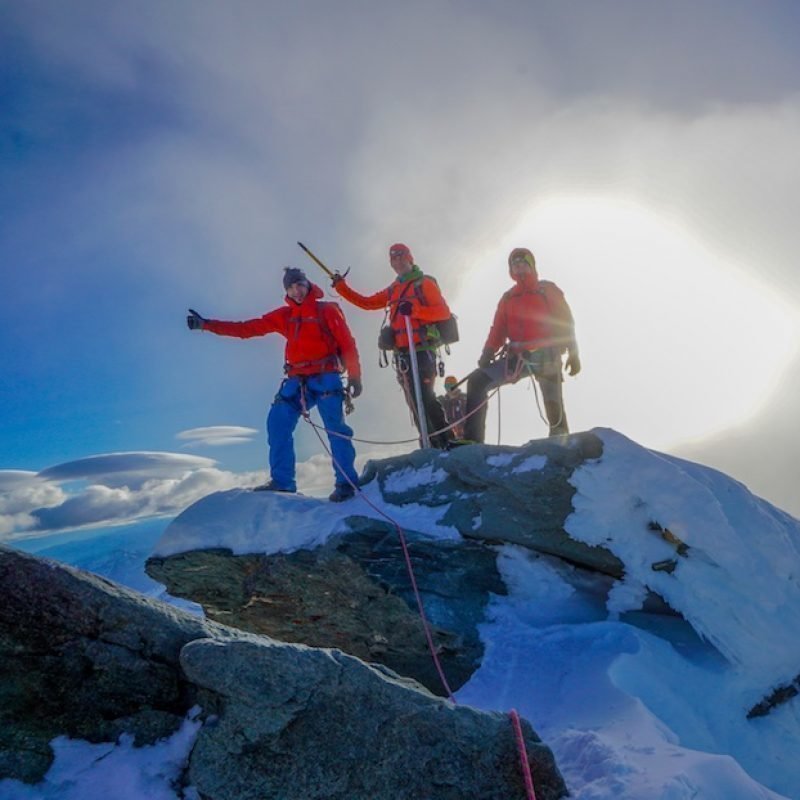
[
  {"x": 487, "y": 356},
  {"x": 573, "y": 362},
  {"x": 195, "y": 321},
  {"x": 404, "y": 307},
  {"x": 354, "y": 387}
]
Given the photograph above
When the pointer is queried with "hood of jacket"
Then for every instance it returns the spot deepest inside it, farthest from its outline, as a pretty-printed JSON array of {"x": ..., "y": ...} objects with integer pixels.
[{"x": 527, "y": 281}]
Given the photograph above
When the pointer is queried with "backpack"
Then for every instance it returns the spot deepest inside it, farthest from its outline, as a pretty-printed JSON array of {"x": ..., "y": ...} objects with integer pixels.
[{"x": 448, "y": 328}]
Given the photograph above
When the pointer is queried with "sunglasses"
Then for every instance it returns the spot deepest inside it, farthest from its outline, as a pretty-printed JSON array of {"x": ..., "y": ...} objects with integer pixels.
[
  {"x": 520, "y": 260},
  {"x": 397, "y": 253}
]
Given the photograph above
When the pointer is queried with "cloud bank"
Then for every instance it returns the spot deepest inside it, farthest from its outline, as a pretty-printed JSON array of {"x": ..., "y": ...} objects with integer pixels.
[
  {"x": 108, "y": 489},
  {"x": 217, "y": 435},
  {"x": 118, "y": 488}
]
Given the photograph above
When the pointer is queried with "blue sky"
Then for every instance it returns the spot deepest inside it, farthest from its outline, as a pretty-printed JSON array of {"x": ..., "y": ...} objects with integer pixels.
[{"x": 160, "y": 156}]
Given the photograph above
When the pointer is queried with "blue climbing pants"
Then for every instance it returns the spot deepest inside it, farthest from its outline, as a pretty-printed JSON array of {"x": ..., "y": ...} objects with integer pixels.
[{"x": 325, "y": 391}]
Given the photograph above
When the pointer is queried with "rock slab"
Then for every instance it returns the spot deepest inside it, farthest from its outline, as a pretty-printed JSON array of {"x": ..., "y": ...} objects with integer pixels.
[
  {"x": 303, "y": 724},
  {"x": 353, "y": 594},
  {"x": 82, "y": 656}
]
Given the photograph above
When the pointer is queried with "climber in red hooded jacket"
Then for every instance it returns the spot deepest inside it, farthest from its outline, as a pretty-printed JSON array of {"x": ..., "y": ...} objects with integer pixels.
[
  {"x": 532, "y": 329},
  {"x": 319, "y": 347}
]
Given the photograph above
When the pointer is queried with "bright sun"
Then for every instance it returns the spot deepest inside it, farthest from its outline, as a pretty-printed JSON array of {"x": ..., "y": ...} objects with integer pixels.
[{"x": 677, "y": 341}]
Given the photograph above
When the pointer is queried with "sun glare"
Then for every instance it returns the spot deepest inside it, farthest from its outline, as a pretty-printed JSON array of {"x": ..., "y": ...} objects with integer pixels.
[{"x": 678, "y": 342}]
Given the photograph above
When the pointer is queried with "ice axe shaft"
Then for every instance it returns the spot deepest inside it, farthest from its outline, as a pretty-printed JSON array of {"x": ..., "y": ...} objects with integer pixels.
[
  {"x": 316, "y": 260},
  {"x": 422, "y": 414}
]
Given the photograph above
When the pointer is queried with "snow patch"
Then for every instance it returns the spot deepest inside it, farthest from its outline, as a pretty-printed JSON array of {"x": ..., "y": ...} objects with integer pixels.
[
  {"x": 625, "y": 595},
  {"x": 410, "y": 478},
  {"x": 500, "y": 460},
  {"x": 507, "y": 460},
  {"x": 531, "y": 463},
  {"x": 83, "y": 770},
  {"x": 270, "y": 522},
  {"x": 736, "y": 559}
]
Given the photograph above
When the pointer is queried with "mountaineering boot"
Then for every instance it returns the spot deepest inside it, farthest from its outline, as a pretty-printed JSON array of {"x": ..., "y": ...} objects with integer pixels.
[
  {"x": 271, "y": 486},
  {"x": 342, "y": 492},
  {"x": 460, "y": 443}
]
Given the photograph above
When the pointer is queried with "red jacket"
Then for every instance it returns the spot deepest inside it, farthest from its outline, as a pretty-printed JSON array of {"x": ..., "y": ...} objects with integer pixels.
[
  {"x": 317, "y": 336},
  {"x": 427, "y": 305},
  {"x": 530, "y": 315}
]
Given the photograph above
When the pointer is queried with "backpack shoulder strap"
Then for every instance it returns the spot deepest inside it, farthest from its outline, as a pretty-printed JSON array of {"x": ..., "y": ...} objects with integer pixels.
[
  {"x": 323, "y": 306},
  {"x": 404, "y": 288},
  {"x": 418, "y": 293}
]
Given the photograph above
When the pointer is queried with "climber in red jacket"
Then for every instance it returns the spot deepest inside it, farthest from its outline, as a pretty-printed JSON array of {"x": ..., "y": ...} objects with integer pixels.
[
  {"x": 319, "y": 347},
  {"x": 532, "y": 329}
]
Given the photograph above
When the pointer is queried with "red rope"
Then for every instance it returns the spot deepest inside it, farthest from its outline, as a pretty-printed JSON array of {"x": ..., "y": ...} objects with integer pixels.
[
  {"x": 523, "y": 754},
  {"x": 403, "y": 543},
  {"x": 515, "y": 722},
  {"x": 407, "y": 441}
]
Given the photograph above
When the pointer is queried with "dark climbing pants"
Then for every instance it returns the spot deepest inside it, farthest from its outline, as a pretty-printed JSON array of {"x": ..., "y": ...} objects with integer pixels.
[
  {"x": 426, "y": 361},
  {"x": 545, "y": 368}
]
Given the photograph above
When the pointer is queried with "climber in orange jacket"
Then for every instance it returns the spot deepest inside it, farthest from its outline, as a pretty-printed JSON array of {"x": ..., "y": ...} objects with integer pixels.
[
  {"x": 415, "y": 295},
  {"x": 532, "y": 329},
  {"x": 319, "y": 347}
]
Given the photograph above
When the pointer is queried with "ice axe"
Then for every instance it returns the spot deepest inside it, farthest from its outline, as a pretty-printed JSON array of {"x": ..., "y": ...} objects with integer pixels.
[{"x": 330, "y": 273}]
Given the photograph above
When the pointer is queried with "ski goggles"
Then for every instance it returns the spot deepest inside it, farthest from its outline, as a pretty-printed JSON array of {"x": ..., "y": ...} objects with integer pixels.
[{"x": 521, "y": 258}]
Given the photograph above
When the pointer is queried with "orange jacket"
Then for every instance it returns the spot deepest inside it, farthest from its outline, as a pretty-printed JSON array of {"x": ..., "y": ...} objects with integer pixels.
[
  {"x": 317, "y": 336},
  {"x": 427, "y": 304},
  {"x": 530, "y": 315}
]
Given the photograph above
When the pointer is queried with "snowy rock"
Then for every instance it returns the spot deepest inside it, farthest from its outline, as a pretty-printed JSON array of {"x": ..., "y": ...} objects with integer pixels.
[
  {"x": 520, "y": 495},
  {"x": 686, "y": 535},
  {"x": 348, "y": 587},
  {"x": 300, "y": 723}
]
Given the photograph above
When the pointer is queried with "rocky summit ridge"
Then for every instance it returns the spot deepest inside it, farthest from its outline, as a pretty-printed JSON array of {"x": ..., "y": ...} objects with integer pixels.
[
  {"x": 312, "y": 671},
  {"x": 658, "y": 534}
]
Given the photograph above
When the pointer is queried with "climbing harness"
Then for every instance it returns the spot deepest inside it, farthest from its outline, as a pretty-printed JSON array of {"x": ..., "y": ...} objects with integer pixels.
[{"x": 528, "y": 364}]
